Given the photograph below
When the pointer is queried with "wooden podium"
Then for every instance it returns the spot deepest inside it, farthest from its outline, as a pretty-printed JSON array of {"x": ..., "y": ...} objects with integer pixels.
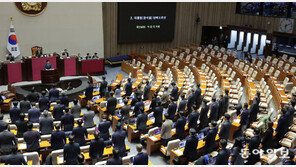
[{"x": 50, "y": 76}]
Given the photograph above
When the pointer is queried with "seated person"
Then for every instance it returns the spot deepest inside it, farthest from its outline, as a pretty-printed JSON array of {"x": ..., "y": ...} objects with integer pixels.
[
  {"x": 95, "y": 56},
  {"x": 10, "y": 57},
  {"x": 48, "y": 65},
  {"x": 65, "y": 53},
  {"x": 87, "y": 56}
]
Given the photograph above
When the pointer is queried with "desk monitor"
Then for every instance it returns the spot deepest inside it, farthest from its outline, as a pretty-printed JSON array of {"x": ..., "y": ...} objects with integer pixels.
[
  {"x": 201, "y": 136},
  {"x": 151, "y": 116},
  {"x": 157, "y": 131},
  {"x": 182, "y": 144}
]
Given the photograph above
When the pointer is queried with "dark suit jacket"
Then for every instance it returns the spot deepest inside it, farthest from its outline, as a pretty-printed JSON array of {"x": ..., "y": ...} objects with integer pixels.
[
  {"x": 31, "y": 138},
  {"x": 21, "y": 127},
  {"x": 48, "y": 66},
  {"x": 14, "y": 114},
  {"x": 197, "y": 95},
  {"x": 182, "y": 105},
  {"x": 254, "y": 109},
  {"x": 142, "y": 122},
  {"x": 96, "y": 148},
  {"x": 222, "y": 157},
  {"x": 71, "y": 152},
  {"x": 103, "y": 87},
  {"x": 53, "y": 94},
  {"x": 267, "y": 141},
  {"x": 174, "y": 92},
  {"x": 220, "y": 108},
  {"x": 157, "y": 113},
  {"x": 25, "y": 106},
  {"x": 203, "y": 116},
  {"x": 172, "y": 110},
  {"x": 64, "y": 100},
  {"x": 104, "y": 129},
  {"x": 114, "y": 161},
  {"x": 76, "y": 111},
  {"x": 33, "y": 115},
  {"x": 128, "y": 88},
  {"x": 254, "y": 143},
  {"x": 147, "y": 92},
  {"x": 225, "y": 130},
  {"x": 138, "y": 105},
  {"x": 2, "y": 125},
  {"x": 89, "y": 92},
  {"x": 46, "y": 125},
  {"x": 58, "y": 140},
  {"x": 111, "y": 105},
  {"x": 58, "y": 112},
  {"x": 192, "y": 119},
  {"x": 210, "y": 138},
  {"x": 190, "y": 149},
  {"x": 141, "y": 159},
  {"x": 214, "y": 112},
  {"x": 33, "y": 97},
  {"x": 283, "y": 125},
  {"x": 15, "y": 159},
  {"x": 67, "y": 121},
  {"x": 7, "y": 141},
  {"x": 191, "y": 101},
  {"x": 79, "y": 133},
  {"x": 180, "y": 127},
  {"x": 118, "y": 140},
  {"x": 43, "y": 103},
  {"x": 125, "y": 110},
  {"x": 245, "y": 117}
]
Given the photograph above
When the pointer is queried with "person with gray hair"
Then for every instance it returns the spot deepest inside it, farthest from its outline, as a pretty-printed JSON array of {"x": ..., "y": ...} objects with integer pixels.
[
  {"x": 46, "y": 124},
  {"x": 141, "y": 158}
]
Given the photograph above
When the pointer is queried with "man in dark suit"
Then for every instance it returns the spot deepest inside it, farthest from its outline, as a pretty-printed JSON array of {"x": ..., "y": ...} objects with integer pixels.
[
  {"x": 67, "y": 121},
  {"x": 214, "y": 110},
  {"x": 290, "y": 159},
  {"x": 157, "y": 113},
  {"x": 172, "y": 109},
  {"x": 139, "y": 92},
  {"x": 33, "y": 96},
  {"x": 87, "y": 57},
  {"x": 14, "y": 158},
  {"x": 220, "y": 106},
  {"x": 76, "y": 109},
  {"x": 282, "y": 126},
  {"x": 192, "y": 119},
  {"x": 31, "y": 137},
  {"x": 7, "y": 141},
  {"x": 125, "y": 112},
  {"x": 43, "y": 102},
  {"x": 223, "y": 154},
  {"x": 2, "y": 123},
  {"x": 96, "y": 148},
  {"x": 111, "y": 104},
  {"x": 182, "y": 104},
  {"x": 180, "y": 125},
  {"x": 25, "y": 105},
  {"x": 142, "y": 121},
  {"x": 197, "y": 94},
  {"x": 89, "y": 91},
  {"x": 64, "y": 99},
  {"x": 14, "y": 112},
  {"x": 147, "y": 91},
  {"x": 254, "y": 144},
  {"x": 128, "y": 87},
  {"x": 71, "y": 152},
  {"x": 58, "y": 111},
  {"x": 210, "y": 137},
  {"x": 21, "y": 125},
  {"x": 47, "y": 65},
  {"x": 46, "y": 124},
  {"x": 53, "y": 94},
  {"x": 225, "y": 128},
  {"x": 225, "y": 102},
  {"x": 174, "y": 92},
  {"x": 103, "y": 87},
  {"x": 118, "y": 140},
  {"x": 290, "y": 113},
  {"x": 190, "y": 150},
  {"x": 254, "y": 110},
  {"x": 116, "y": 159},
  {"x": 244, "y": 121},
  {"x": 65, "y": 53},
  {"x": 34, "y": 114},
  {"x": 138, "y": 106},
  {"x": 80, "y": 133},
  {"x": 191, "y": 100},
  {"x": 141, "y": 158},
  {"x": 58, "y": 138},
  {"x": 38, "y": 53},
  {"x": 267, "y": 141},
  {"x": 203, "y": 114},
  {"x": 10, "y": 57},
  {"x": 103, "y": 127}
]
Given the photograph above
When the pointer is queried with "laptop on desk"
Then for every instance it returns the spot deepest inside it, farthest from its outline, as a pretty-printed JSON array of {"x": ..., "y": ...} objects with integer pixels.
[{"x": 157, "y": 131}]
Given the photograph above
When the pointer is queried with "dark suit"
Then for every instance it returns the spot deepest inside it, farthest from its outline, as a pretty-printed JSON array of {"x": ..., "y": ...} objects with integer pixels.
[
  {"x": 142, "y": 122},
  {"x": 245, "y": 117},
  {"x": 141, "y": 159},
  {"x": 14, "y": 114},
  {"x": 182, "y": 105},
  {"x": 96, "y": 148},
  {"x": 225, "y": 130},
  {"x": 76, "y": 111},
  {"x": 180, "y": 128},
  {"x": 210, "y": 140},
  {"x": 128, "y": 88},
  {"x": 254, "y": 109},
  {"x": 174, "y": 93},
  {"x": 71, "y": 152},
  {"x": 190, "y": 150},
  {"x": 10, "y": 58},
  {"x": 282, "y": 127},
  {"x": 191, "y": 101},
  {"x": 103, "y": 87},
  {"x": 65, "y": 54},
  {"x": 15, "y": 159},
  {"x": 225, "y": 104},
  {"x": 33, "y": 115},
  {"x": 236, "y": 158},
  {"x": 220, "y": 108},
  {"x": 125, "y": 110},
  {"x": 192, "y": 119},
  {"x": 31, "y": 138},
  {"x": 58, "y": 112},
  {"x": 118, "y": 140},
  {"x": 43, "y": 103},
  {"x": 104, "y": 129},
  {"x": 67, "y": 122},
  {"x": 198, "y": 98},
  {"x": 254, "y": 144},
  {"x": 111, "y": 105},
  {"x": 64, "y": 100},
  {"x": 48, "y": 66},
  {"x": 114, "y": 161},
  {"x": 79, "y": 133},
  {"x": 172, "y": 110},
  {"x": 58, "y": 140},
  {"x": 137, "y": 108},
  {"x": 2, "y": 125},
  {"x": 21, "y": 127},
  {"x": 203, "y": 116},
  {"x": 46, "y": 125},
  {"x": 222, "y": 157},
  {"x": 89, "y": 92},
  {"x": 7, "y": 141},
  {"x": 147, "y": 92},
  {"x": 267, "y": 141},
  {"x": 33, "y": 97},
  {"x": 25, "y": 106},
  {"x": 157, "y": 113},
  {"x": 53, "y": 94},
  {"x": 214, "y": 112}
]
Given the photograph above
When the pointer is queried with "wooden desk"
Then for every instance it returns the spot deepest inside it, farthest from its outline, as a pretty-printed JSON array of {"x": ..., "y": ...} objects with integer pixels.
[
  {"x": 127, "y": 68},
  {"x": 133, "y": 133}
]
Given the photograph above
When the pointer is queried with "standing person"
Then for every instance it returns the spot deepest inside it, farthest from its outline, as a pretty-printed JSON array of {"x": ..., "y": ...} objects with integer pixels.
[
  {"x": 125, "y": 112},
  {"x": 254, "y": 144},
  {"x": 118, "y": 91},
  {"x": 147, "y": 91},
  {"x": 166, "y": 130},
  {"x": 192, "y": 119},
  {"x": 290, "y": 159},
  {"x": 203, "y": 114},
  {"x": 2, "y": 123},
  {"x": 31, "y": 137},
  {"x": 80, "y": 133},
  {"x": 182, "y": 104},
  {"x": 236, "y": 158},
  {"x": 180, "y": 126},
  {"x": 33, "y": 96},
  {"x": 223, "y": 154},
  {"x": 190, "y": 150},
  {"x": 157, "y": 114},
  {"x": 172, "y": 109},
  {"x": 254, "y": 109},
  {"x": 7, "y": 140},
  {"x": 67, "y": 122},
  {"x": 71, "y": 152},
  {"x": 244, "y": 121},
  {"x": 58, "y": 138},
  {"x": 88, "y": 118},
  {"x": 267, "y": 141},
  {"x": 14, "y": 158},
  {"x": 282, "y": 126},
  {"x": 43, "y": 102},
  {"x": 174, "y": 92},
  {"x": 34, "y": 114},
  {"x": 165, "y": 97},
  {"x": 214, "y": 110},
  {"x": 210, "y": 137},
  {"x": 225, "y": 101},
  {"x": 76, "y": 109},
  {"x": 53, "y": 94},
  {"x": 64, "y": 99},
  {"x": 25, "y": 105},
  {"x": 197, "y": 94},
  {"x": 111, "y": 104},
  {"x": 191, "y": 100},
  {"x": 96, "y": 148},
  {"x": 89, "y": 91},
  {"x": 65, "y": 53},
  {"x": 225, "y": 128},
  {"x": 21, "y": 125},
  {"x": 128, "y": 87},
  {"x": 116, "y": 159},
  {"x": 139, "y": 104},
  {"x": 46, "y": 124},
  {"x": 141, "y": 158},
  {"x": 14, "y": 112},
  {"x": 104, "y": 127},
  {"x": 118, "y": 140},
  {"x": 103, "y": 86},
  {"x": 220, "y": 106},
  {"x": 58, "y": 111},
  {"x": 95, "y": 56},
  {"x": 141, "y": 123}
]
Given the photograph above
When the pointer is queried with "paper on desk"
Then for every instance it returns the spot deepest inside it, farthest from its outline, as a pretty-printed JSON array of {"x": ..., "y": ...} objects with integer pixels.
[
  {"x": 179, "y": 152},
  {"x": 22, "y": 146},
  {"x": 236, "y": 120},
  {"x": 153, "y": 138},
  {"x": 60, "y": 159}
]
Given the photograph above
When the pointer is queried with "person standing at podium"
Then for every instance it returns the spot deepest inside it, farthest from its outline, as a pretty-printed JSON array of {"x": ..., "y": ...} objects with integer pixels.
[
  {"x": 65, "y": 53},
  {"x": 48, "y": 65},
  {"x": 10, "y": 57}
]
